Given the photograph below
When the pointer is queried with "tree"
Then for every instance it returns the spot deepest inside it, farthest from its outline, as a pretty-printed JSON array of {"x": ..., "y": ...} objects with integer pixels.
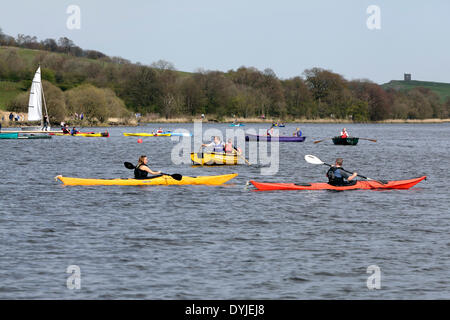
[
  {"x": 55, "y": 100},
  {"x": 297, "y": 96},
  {"x": 376, "y": 97}
]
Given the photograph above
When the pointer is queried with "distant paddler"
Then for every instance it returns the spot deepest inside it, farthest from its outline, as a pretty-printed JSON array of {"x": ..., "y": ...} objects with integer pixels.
[
  {"x": 74, "y": 131},
  {"x": 142, "y": 170},
  {"x": 298, "y": 133},
  {"x": 344, "y": 133}
]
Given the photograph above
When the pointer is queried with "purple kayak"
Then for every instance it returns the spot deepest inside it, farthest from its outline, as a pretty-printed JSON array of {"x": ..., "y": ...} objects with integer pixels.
[{"x": 252, "y": 137}]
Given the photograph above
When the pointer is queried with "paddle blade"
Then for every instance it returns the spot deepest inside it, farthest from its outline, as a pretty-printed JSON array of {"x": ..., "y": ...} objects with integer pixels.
[
  {"x": 175, "y": 176},
  {"x": 129, "y": 165},
  {"x": 313, "y": 159}
]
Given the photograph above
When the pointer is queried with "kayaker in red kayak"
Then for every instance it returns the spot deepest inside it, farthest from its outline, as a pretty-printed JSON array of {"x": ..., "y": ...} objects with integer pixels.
[
  {"x": 337, "y": 177},
  {"x": 344, "y": 133},
  {"x": 142, "y": 170}
]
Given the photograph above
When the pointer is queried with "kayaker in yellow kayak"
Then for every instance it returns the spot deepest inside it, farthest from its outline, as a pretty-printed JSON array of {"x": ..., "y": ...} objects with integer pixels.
[
  {"x": 142, "y": 170},
  {"x": 217, "y": 145},
  {"x": 338, "y": 177},
  {"x": 229, "y": 148}
]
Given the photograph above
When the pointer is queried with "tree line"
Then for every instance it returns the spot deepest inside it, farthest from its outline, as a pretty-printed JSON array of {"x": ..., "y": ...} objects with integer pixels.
[{"x": 114, "y": 85}]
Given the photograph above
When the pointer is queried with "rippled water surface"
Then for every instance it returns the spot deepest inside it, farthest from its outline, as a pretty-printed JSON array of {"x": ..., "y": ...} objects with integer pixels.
[{"x": 226, "y": 242}]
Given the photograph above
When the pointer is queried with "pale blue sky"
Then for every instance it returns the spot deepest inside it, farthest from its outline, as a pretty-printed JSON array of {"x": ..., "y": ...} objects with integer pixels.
[{"x": 287, "y": 36}]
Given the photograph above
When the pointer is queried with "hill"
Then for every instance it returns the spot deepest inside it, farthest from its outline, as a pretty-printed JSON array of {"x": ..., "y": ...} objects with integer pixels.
[{"x": 440, "y": 88}]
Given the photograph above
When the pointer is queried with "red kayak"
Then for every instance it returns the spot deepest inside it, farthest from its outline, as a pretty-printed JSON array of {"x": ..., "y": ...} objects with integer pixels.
[{"x": 366, "y": 185}]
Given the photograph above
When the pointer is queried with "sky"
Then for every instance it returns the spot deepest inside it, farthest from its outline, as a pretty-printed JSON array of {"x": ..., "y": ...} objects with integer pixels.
[{"x": 287, "y": 36}]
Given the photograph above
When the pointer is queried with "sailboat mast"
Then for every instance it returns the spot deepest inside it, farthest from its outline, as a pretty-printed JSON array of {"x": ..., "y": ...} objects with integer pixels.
[{"x": 45, "y": 106}]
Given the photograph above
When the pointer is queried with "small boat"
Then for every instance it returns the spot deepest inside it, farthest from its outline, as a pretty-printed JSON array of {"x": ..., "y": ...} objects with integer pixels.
[
  {"x": 237, "y": 125},
  {"x": 9, "y": 135},
  {"x": 166, "y": 134},
  {"x": 83, "y": 134},
  {"x": 279, "y": 125},
  {"x": 212, "y": 158},
  {"x": 23, "y": 136},
  {"x": 35, "y": 106},
  {"x": 158, "y": 180},
  {"x": 252, "y": 137},
  {"x": 364, "y": 185},
  {"x": 350, "y": 141},
  {"x": 181, "y": 134}
]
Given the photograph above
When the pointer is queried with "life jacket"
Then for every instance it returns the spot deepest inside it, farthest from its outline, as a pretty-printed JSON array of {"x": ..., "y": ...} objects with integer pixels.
[
  {"x": 299, "y": 133},
  {"x": 335, "y": 177},
  {"x": 218, "y": 147},
  {"x": 228, "y": 148},
  {"x": 140, "y": 174},
  {"x": 159, "y": 131},
  {"x": 344, "y": 135}
]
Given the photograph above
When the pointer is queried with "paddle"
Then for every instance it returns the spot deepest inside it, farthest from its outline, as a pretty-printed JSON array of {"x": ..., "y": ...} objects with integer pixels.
[
  {"x": 314, "y": 160},
  {"x": 175, "y": 176},
  {"x": 241, "y": 156},
  {"x": 373, "y": 140},
  {"x": 318, "y": 141}
]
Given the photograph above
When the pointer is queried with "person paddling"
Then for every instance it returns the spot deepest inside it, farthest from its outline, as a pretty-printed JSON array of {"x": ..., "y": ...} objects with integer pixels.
[
  {"x": 74, "y": 131},
  {"x": 338, "y": 177},
  {"x": 344, "y": 134},
  {"x": 142, "y": 170},
  {"x": 298, "y": 133},
  {"x": 229, "y": 148},
  {"x": 217, "y": 145},
  {"x": 65, "y": 129},
  {"x": 271, "y": 131}
]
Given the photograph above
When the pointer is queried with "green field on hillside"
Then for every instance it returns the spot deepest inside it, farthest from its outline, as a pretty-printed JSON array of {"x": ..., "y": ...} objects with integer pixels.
[
  {"x": 442, "y": 89},
  {"x": 8, "y": 91}
]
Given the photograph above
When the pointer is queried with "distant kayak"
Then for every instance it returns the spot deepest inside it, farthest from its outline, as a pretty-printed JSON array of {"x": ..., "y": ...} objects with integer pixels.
[
  {"x": 83, "y": 134},
  {"x": 23, "y": 136},
  {"x": 237, "y": 125},
  {"x": 251, "y": 137},
  {"x": 159, "y": 180},
  {"x": 147, "y": 134},
  {"x": 366, "y": 185},
  {"x": 350, "y": 141}
]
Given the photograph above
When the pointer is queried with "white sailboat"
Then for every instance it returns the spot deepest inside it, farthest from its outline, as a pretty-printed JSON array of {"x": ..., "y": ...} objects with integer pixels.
[{"x": 35, "y": 111}]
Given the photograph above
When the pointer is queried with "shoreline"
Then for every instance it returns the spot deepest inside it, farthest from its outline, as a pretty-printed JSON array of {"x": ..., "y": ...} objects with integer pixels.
[{"x": 133, "y": 122}]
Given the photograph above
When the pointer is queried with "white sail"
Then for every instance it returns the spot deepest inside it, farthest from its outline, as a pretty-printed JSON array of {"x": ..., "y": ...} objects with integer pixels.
[{"x": 35, "y": 103}]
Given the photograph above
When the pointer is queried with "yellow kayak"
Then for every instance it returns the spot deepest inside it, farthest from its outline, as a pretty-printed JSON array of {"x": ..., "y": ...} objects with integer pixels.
[
  {"x": 93, "y": 135},
  {"x": 162, "y": 180},
  {"x": 208, "y": 159},
  {"x": 147, "y": 134}
]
